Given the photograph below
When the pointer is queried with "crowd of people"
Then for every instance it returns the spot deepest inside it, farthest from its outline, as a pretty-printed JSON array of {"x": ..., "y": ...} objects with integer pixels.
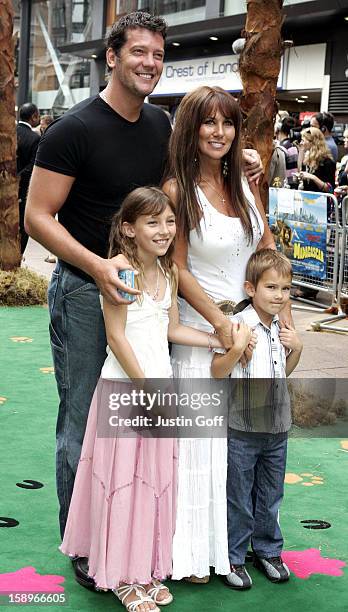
[
  {"x": 306, "y": 156},
  {"x": 115, "y": 188}
]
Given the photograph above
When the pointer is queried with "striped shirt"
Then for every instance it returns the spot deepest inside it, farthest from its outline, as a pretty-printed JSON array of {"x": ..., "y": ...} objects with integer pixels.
[{"x": 259, "y": 400}]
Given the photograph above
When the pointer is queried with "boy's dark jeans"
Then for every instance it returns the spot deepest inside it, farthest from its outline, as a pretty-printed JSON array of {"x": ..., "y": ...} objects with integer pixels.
[{"x": 255, "y": 489}]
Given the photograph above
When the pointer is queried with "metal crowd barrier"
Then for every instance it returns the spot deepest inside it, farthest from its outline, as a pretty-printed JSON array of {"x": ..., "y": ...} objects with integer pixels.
[
  {"x": 335, "y": 283},
  {"x": 330, "y": 282}
]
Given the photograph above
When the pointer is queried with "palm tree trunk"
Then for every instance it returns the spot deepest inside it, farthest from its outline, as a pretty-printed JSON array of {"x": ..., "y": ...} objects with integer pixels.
[
  {"x": 259, "y": 67},
  {"x": 9, "y": 242}
]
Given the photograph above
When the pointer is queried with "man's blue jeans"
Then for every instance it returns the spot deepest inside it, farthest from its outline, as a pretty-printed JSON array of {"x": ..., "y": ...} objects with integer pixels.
[
  {"x": 78, "y": 345},
  {"x": 255, "y": 489}
]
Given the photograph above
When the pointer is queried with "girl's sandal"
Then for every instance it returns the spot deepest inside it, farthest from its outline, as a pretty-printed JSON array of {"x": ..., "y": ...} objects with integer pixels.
[
  {"x": 155, "y": 587},
  {"x": 125, "y": 590}
]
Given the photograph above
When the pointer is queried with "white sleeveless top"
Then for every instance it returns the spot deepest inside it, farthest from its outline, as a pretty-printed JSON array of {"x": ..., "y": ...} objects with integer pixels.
[
  {"x": 147, "y": 333},
  {"x": 217, "y": 259}
]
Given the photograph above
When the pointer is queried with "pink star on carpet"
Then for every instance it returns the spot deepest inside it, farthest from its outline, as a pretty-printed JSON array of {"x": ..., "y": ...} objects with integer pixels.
[
  {"x": 304, "y": 563},
  {"x": 27, "y": 580}
]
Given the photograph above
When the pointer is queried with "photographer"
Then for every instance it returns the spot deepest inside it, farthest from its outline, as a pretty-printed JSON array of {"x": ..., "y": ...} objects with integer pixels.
[{"x": 325, "y": 122}]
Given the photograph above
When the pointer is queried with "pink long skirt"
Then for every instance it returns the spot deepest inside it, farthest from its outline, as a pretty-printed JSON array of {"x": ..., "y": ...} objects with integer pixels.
[{"x": 122, "y": 512}]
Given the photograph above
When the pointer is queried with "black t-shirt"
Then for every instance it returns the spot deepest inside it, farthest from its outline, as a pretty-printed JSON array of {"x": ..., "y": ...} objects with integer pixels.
[{"x": 109, "y": 156}]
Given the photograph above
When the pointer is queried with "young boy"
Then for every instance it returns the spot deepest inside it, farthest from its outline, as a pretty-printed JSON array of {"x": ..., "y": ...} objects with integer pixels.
[{"x": 259, "y": 419}]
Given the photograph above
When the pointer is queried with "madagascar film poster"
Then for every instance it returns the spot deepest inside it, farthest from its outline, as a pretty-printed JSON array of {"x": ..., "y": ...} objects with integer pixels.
[{"x": 298, "y": 221}]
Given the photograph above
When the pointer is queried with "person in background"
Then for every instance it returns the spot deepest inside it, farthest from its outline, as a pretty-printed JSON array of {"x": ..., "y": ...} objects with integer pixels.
[
  {"x": 27, "y": 143},
  {"x": 316, "y": 165},
  {"x": 45, "y": 121},
  {"x": 341, "y": 189},
  {"x": 277, "y": 167},
  {"x": 325, "y": 122},
  {"x": 342, "y": 176},
  {"x": 283, "y": 134}
]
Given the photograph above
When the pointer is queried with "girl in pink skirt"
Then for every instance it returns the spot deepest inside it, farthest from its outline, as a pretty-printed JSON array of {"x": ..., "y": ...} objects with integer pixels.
[{"x": 122, "y": 512}]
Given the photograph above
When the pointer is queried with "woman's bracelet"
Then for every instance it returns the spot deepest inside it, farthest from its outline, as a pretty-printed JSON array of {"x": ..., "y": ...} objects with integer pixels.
[{"x": 210, "y": 342}]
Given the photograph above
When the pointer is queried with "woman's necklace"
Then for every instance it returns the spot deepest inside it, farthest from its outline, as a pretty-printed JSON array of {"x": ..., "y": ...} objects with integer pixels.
[
  {"x": 154, "y": 296},
  {"x": 216, "y": 191}
]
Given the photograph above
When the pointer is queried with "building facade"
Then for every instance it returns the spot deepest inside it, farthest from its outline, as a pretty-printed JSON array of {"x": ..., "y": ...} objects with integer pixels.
[{"x": 62, "y": 55}]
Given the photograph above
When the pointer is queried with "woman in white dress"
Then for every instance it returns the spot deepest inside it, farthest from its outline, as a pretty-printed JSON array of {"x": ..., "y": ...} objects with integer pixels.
[{"x": 219, "y": 226}]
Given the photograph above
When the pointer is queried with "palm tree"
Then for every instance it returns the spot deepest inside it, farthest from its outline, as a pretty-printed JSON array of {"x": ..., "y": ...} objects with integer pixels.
[
  {"x": 259, "y": 67},
  {"x": 9, "y": 243}
]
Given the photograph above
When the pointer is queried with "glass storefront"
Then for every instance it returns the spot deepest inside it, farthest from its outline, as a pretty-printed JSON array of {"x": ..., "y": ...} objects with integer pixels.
[
  {"x": 181, "y": 11},
  {"x": 175, "y": 12},
  {"x": 58, "y": 80}
]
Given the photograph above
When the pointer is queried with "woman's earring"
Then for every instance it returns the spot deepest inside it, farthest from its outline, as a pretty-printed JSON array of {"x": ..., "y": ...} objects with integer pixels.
[{"x": 225, "y": 168}]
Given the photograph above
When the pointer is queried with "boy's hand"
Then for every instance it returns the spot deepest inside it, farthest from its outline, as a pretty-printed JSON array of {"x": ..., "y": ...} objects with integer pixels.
[{"x": 290, "y": 339}]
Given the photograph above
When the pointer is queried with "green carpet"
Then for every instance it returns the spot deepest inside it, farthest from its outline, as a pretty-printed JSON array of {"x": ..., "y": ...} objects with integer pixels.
[{"x": 317, "y": 489}]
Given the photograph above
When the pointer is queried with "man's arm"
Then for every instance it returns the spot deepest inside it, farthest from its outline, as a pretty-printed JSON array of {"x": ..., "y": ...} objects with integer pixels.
[
  {"x": 252, "y": 165},
  {"x": 47, "y": 193}
]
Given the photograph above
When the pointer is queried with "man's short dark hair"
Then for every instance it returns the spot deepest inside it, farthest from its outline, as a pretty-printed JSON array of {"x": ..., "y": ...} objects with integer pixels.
[
  {"x": 138, "y": 19},
  {"x": 27, "y": 110},
  {"x": 326, "y": 120}
]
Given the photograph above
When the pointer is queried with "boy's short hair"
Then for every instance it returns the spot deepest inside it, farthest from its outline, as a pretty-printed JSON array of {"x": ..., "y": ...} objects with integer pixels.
[{"x": 266, "y": 259}]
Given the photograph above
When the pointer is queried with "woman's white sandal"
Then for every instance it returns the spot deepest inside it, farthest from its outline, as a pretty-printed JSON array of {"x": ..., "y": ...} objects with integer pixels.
[
  {"x": 123, "y": 591},
  {"x": 156, "y": 587}
]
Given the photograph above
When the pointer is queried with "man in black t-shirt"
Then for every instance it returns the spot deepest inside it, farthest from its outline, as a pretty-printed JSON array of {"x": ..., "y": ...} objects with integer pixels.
[{"x": 87, "y": 162}]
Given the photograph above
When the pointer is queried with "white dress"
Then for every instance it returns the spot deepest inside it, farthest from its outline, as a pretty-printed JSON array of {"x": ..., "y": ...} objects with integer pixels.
[
  {"x": 218, "y": 261},
  {"x": 147, "y": 333}
]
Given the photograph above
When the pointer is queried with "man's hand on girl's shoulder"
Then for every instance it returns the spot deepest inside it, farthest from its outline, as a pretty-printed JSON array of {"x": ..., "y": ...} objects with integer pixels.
[{"x": 108, "y": 281}]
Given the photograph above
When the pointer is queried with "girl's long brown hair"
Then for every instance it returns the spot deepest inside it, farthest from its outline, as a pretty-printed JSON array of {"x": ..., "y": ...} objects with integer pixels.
[
  {"x": 183, "y": 162},
  {"x": 141, "y": 201}
]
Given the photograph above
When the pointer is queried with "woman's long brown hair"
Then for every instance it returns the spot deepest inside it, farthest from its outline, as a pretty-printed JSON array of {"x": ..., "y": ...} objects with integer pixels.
[
  {"x": 183, "y": 162},
  {"x": 141, "y": 201}
]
